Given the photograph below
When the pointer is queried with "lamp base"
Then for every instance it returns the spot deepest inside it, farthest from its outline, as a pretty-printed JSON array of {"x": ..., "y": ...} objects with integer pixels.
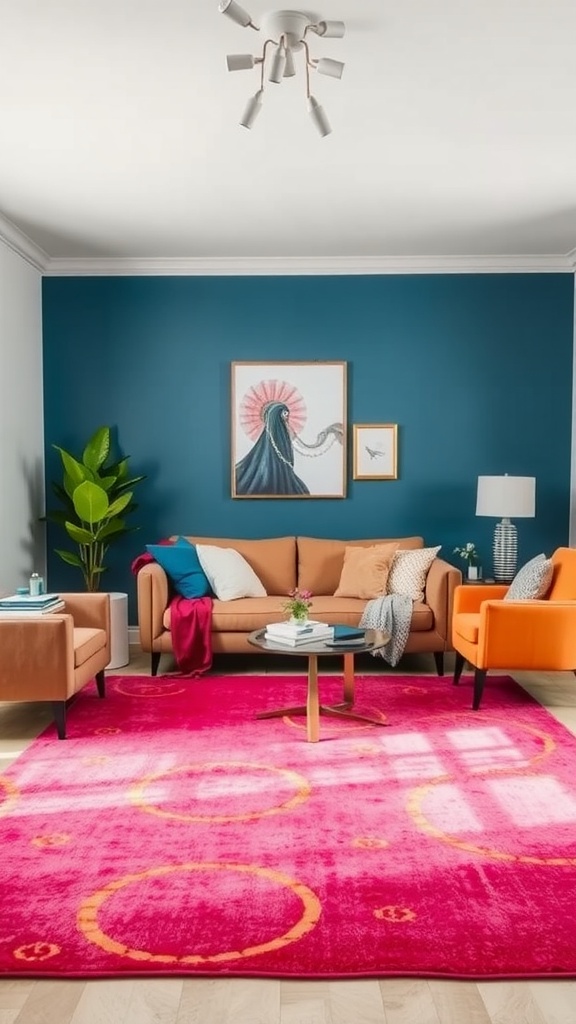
[
  {"x": 505, "y": 551},
  {"x": 290, "y": 24}
]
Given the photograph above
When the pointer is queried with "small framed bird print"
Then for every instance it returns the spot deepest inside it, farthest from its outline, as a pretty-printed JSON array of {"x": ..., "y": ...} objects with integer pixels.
[{"x": 375, "y": 454}]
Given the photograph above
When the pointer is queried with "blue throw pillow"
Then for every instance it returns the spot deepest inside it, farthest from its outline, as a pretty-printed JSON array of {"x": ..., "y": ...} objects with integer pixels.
[{"x": 182, "y": 566}]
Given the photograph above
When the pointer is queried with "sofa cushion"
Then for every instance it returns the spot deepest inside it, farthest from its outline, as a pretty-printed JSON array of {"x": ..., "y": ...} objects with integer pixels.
[
  {"x": 532, "y": 581},
  {"x": 365, "y": 571},
  {"x": 182, "y": 566},
  {"x": 320, "y": 561},
  {"x": 229, "y": 574},
  {"x": 272, "y": 559},
  {"x": 409, "y": 571}
]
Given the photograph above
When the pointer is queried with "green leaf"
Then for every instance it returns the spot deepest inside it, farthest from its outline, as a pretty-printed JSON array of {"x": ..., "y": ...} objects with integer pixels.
[
  {"x": 91, "y": 502},
  {"x": 119, "y": 470},
  {"x": 73, "y": 469},
  {"x": 114, "y": 527},
  {"x": 97, "y": 449},
  {"x": 67, "y": 556},
  {"x": 107, "y": 482},
  {"x": 120, "y": 504},
  {"x": 79, "y": 534}
]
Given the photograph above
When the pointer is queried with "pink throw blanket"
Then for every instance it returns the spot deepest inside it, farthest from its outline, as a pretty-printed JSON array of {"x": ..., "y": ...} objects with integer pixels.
[{"x": 190, "y": 625}]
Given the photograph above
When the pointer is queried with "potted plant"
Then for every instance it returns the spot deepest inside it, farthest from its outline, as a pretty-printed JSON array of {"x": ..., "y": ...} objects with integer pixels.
[
  {"x": 96, "y": 495},
  {"x": 470, "y": 555},
  {"x": 298, "y": 604}
]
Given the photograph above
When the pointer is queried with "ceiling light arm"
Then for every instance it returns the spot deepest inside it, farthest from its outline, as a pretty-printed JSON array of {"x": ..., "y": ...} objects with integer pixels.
[{"x": 309, "y": 63}]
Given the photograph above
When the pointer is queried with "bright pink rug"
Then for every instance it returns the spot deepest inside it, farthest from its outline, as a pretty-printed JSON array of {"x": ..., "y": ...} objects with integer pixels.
[{"x": 173, "y": 833}]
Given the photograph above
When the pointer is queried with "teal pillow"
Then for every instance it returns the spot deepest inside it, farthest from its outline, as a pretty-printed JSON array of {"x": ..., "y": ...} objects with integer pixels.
[{"x": 182, "y": 566}]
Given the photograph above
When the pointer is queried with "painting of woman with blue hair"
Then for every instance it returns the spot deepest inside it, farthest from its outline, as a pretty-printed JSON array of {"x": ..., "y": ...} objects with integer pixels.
[{"x": 296, "y": 448}]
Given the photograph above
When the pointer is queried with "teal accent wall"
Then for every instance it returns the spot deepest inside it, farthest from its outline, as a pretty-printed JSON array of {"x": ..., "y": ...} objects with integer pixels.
[{"x": 476, "y": 370}]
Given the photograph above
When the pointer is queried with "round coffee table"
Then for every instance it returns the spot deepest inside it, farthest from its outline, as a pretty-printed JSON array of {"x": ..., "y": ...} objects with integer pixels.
[{"x": 374, "y": 639}]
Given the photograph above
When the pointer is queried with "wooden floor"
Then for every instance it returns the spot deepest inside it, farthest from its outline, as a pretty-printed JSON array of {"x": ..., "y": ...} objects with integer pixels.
[{"x": 244, "y": 1001}]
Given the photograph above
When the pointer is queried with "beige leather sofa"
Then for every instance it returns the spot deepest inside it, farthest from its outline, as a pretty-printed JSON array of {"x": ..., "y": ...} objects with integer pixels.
[
  {"x": 51, "y": 657},
  {"x": 283, "y": 563}
]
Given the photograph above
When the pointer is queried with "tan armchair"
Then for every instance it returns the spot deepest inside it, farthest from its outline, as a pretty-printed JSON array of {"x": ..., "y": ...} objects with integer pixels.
[{"x": 51, "y": 657}]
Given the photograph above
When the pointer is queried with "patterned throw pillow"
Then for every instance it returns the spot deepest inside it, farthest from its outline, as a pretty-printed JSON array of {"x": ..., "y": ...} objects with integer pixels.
[
  {"x": 365, "y": 571},
  {"x": 533, "y": 580},
  {"x": 409, "y": 571}
]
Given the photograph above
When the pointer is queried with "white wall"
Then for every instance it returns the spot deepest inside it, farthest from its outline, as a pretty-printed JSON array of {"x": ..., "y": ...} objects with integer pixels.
[{"x": 22, "y": 537}]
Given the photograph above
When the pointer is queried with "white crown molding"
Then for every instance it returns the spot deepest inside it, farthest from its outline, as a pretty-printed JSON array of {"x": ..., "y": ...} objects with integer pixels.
[
  {"x": 285, "y": 266},
  {"x": 16, "y": 240},
  {"x": 571, "y": 258}
]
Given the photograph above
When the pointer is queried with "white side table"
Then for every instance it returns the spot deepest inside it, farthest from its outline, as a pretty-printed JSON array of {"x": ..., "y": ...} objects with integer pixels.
[{"x": 119, "y": 646}]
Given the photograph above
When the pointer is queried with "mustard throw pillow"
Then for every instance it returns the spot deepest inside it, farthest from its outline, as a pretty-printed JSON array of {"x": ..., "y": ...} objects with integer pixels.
[{"x": 365, "y": 571}]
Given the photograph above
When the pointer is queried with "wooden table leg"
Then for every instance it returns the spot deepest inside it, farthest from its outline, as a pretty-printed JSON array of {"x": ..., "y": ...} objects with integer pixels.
[
  {"x": 349, "y": 678},
  {"x": 313, "y": 702}
]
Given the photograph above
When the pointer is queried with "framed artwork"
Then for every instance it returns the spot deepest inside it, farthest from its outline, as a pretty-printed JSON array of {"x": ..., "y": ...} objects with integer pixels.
[
  {"x": 288, "y": 430},
  {"x": 375, "y": 451}
]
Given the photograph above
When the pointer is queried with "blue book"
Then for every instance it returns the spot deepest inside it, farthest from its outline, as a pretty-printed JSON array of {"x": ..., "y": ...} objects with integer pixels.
[{"x": 348, "y": 633}]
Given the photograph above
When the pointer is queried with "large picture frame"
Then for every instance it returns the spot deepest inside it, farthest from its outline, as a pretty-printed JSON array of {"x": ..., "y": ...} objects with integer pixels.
[
  {"x": 375, "y": 451},
  {"x": 288, "y": 429}
]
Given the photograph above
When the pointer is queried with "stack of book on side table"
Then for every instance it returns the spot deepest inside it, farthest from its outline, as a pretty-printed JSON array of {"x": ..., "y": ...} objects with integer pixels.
[
  {"x": 25, "y": 604},
  {"x": 292, "y": 634}
]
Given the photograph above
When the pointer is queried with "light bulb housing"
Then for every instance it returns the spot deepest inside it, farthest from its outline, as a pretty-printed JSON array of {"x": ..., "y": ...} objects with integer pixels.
[
  {"x": 318, "y": 116},
  {"x": 252, "y": 109},
  {"x": 278, "y": 64},
  {"x": 233, "y": 10},
  {"x": 327, "y": 66},
  {"x": 240, "y": 61},
  {"x": 330, "y": 29},
  {"x": 289, "y": 67}
]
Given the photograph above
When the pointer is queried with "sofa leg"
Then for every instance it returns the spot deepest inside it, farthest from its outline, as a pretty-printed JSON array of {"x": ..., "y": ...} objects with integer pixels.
[
  {"x": 154, "y": 662},
  {"x": 439, "y": 660},
  {"x": 479, "y": 680},
  {"x": 100, "y": 683},
  {"x": 59, "y": 712},
  {"x": 458, "y": 666}
]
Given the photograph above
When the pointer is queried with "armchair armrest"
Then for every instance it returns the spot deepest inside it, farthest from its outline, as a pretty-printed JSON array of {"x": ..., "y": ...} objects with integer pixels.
[
  {"x": 90, "y": 611},
  {"x": 37, "y": 660},
  {"x": 153, "y": 595},
  {"x": 469, "y": 599},
  {"x": 528, "y": 635},
  {"x": 441, "y": 583}
]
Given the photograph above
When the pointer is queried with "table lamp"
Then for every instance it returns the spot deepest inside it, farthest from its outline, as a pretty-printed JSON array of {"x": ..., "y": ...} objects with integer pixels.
[{"x": 511, "y": 497}]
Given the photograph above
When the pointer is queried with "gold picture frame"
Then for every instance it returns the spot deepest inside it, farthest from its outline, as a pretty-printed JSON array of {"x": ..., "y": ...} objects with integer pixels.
[
  {"x": 375, "y": 452},
  {"x": 289, "y": 435}
]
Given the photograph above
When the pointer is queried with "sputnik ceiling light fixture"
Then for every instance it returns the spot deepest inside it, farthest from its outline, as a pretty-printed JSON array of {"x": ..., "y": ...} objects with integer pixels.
[{"x": 286, "y": 32}]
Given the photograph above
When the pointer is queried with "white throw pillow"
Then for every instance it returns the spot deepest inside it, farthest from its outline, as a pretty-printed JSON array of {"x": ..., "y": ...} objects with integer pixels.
[
  {"x": 228, "y": 572},
  {"x": 532, "y": 581},
  {"x": 409, "y": 571}
]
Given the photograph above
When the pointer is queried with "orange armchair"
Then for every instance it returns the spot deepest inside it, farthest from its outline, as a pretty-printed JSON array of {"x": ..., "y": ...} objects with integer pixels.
[{"x": 491, "y": 633}]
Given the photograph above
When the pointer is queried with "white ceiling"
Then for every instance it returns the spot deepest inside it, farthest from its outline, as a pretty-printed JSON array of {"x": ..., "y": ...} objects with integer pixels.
[{"x": 454, "y": 132}]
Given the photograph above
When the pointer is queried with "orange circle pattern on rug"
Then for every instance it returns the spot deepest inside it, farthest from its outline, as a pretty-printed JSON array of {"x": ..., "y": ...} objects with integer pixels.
[
  {"x": 37, "y": 951},
  {"x": 87, "y": 918},
  {"x": 418, "y": 795},
  {"x": 397, "y": 915},
  {"x": 11, "y": 794},
  {"x": 298, "y": 782},
  {"x": 146, "y": 689},
  {"x": 51, "y": 840}
]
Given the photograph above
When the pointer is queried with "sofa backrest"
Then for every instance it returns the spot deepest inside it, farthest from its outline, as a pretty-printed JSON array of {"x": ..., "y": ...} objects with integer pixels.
[
  {"x": 273, "y": 559},
  {"x": 564, "y": 579},
  {"x": 320, "y": 561}
]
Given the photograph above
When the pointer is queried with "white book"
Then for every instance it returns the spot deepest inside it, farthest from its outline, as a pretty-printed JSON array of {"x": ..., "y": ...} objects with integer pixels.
[
  {"x": 295, "y": 629},
  {"x": 299, "y": 641}
]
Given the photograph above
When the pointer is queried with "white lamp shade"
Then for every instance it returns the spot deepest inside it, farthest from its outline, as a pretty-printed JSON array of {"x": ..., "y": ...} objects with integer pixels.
[
  {"x": 289, "y": 67},
  {"x": 253, "y": 108},
  {"x": 506, "y": 497},
  {"x": 318, "y": 116},
  {"x": 240, "y": 61},
  {"x": 331, "y": 29},
  {"x": 233, "y": 10},
  {"x": 327, "y": 66},
  {"x": 278, "y": 65}
]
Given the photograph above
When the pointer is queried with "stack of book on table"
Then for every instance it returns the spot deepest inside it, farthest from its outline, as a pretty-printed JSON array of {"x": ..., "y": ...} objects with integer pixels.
[
  {"x": 25, "y": 604},
  {"x": 291, "y": 634}
]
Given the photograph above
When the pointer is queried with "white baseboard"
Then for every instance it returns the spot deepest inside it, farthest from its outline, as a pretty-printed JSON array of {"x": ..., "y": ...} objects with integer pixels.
[{"x": 133, "y": 635}]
